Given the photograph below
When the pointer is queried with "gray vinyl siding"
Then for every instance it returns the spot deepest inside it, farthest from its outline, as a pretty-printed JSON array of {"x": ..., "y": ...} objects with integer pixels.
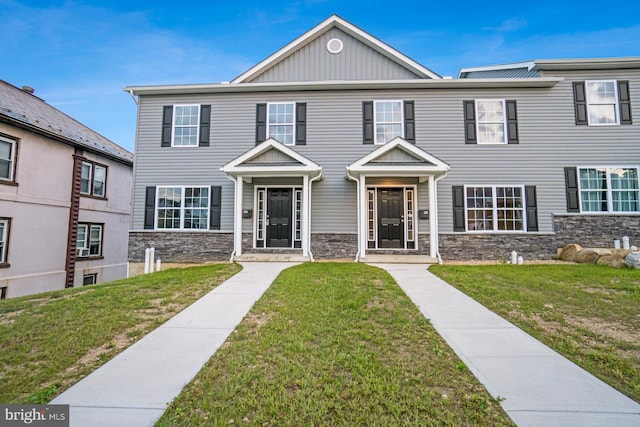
[
  {"x": 549, "y": 140},
  {"x": 314, "y": 62}
]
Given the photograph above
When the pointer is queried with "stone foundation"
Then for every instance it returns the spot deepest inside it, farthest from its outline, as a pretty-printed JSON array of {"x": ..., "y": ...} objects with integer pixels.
[
  {"x": 596, "y": 231},
  {"x": 334, "y": 245},
  {"x": 191, "y": 247},
  {"x": 481, "y": 247}
]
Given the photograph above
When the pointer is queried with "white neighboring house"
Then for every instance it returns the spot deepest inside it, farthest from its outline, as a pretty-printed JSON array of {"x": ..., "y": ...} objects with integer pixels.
[{"x": 65, "y": 196}]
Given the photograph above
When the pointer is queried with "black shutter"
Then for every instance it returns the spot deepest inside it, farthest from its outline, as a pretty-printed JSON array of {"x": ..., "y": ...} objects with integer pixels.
[
  {"x": 512, "y": 122},
  {"x": 261, "y": 123},
  {"x": 580, "y": 100},
  {"x": 625, "y": 102},
  {"x": 167, "y": 119},
  {"x": 470, "y": 122},
  {"x": 571, "y": 182},
  {"x": 458, "y": 208},
  {"x": 532, "y": 207},
  {"x": 149, "y": 208},
  {"x": 215, "y": 207},
  {"x": 409, "y": 122},
  {"x": 205, "y": 125},
  {"x": 367, "y": 122},
  {"x": 301, "y": 123}
]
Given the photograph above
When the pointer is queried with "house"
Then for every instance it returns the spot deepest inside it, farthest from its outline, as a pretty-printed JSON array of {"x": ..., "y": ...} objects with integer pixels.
[
  {"x": 64, "y": 199},
  {"x": 340, "y": 146}
]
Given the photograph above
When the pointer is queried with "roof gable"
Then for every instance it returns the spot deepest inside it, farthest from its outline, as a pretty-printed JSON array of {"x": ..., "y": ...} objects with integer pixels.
[{"x": 358, "y": 47}]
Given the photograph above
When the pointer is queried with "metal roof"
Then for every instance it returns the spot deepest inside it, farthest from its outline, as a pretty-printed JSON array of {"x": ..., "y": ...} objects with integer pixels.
[{"x": 24, "y": 109}]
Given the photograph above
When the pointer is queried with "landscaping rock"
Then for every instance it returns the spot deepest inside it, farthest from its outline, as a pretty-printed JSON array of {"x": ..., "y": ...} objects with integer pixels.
[
  {"x": 633, "y": 260},
  {"x": 591, "y": 255},
  {"x": 568, "y": 253},
  {"x": 615, "y": 260}
]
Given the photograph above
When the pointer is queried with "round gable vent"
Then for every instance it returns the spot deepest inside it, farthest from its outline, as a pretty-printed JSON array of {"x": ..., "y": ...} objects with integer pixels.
[{"x": 335, "y": 46}]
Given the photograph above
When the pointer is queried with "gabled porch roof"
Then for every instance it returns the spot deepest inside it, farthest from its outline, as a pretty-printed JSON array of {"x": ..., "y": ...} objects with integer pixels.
[
  {"x": 271, "y": 159},
  {"x": 398, "y": 158}
]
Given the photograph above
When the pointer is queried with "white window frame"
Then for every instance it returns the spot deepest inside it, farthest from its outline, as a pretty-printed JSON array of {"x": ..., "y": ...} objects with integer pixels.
[
  {"x": 616, "y": 104},
  {"x": 375, "y": 119},
  {"x": 609, "y": 190},
  {"x": 292, "y": 124},
  {"x": 93, "y": 166},
  {"x": 182, "y": 207},
  {"x": 4, "y": 239},
  {"x": 174, "y": 125},
  {"x": 84, "y": 250},
  {"x": 495, "y": 209},
  {"x": 92, "y": 276},
  {"x": 11, "y": 159},
  {"x": 504, "y": 121}
]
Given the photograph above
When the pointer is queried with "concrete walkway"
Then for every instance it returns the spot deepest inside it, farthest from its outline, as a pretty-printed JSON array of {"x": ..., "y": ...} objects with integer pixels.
[
  {"x": 541, "y": 387},
  {"x": 135, "y": 387}
]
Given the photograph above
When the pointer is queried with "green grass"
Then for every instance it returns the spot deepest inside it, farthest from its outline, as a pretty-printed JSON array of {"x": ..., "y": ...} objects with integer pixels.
[
  {"x": 334, "y": 344},
  {"x": 588, "y": 313},
  {"x": 50, "y": 341}
]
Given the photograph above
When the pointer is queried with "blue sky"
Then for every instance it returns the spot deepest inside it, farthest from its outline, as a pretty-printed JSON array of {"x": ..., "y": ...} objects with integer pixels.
[{"x": 78, "y": 55}]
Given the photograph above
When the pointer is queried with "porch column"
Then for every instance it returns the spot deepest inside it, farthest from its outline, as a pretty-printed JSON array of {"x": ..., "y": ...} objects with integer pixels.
[
  {"x": 237, "y": 222},
  {"x": 362, "y": 211},
  {"x": 306, "y": 205},
  {"x": 433, "y": 225}
]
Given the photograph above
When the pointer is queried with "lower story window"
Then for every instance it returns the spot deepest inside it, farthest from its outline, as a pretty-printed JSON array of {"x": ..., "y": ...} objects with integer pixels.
[
  {"x": 495, "y": 208},
  {"x": 4, "y": 236},
  {"x": 182, "y": 208},
  {"x": 89, "y": 240},
  {"x": 609, "y": 189},
  {"x": 90, "y": 279}
]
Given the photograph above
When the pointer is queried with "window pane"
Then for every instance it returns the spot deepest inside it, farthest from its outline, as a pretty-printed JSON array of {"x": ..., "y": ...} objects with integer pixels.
[
  {"x": 186, "y": 125},
  {"x": 99, "y": 179},
  {"x": 601, "y": 92},
  {"x": 169, "y": 204},
  {"x": 5, "y": 159},
  {"x": 197, "y": 200},
  {"x": 81, "y": 239},
  {"x": 491, "y": 133},
  {"x": 593, "y": 190},
  {"x": 280, "y": 124},
  {"x": 3, "y": 238},
  {"x": 85, "y": 178},
  {"x": 491, "y": 121},
  {"x": 602, "y": 114},
  {"x": 95, "y": 244},
  {"x": 388, "y": 120}
]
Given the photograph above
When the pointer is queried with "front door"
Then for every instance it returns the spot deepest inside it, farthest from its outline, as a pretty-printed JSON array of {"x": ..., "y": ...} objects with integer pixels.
[
  {"x": 390, "y": 218},
  {"x": 279, "y": 218}
]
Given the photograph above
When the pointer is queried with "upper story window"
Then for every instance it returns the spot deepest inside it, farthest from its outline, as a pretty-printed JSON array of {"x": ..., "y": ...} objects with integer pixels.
[
  {"x": 89, "y": 240},
  {"x": 4, "y": 237},
  {"x": 281, "y": 122},
  {"x": 7, "y": 158},
  {"x": 609, "y": 189},
  {"x": 602, "y": 102},
  {"x": 182, "y": 208},
  {"x": 495, "y": 208},
  {"x": 186, "y": 125},
  {"x": 491, "y": 121},
  {"x": 93, "y": 180},
  {"x": 386, "y": 120}
]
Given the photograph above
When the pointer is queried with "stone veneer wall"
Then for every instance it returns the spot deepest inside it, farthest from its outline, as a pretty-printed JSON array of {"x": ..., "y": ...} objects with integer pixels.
[
  {"x": 181, "y": 246},
  {"x": 423, "y": 248},
  {"x": 334, "y": 245},
  {"x": 470, "y": 247},
  {"x": 596, "y": 231}
]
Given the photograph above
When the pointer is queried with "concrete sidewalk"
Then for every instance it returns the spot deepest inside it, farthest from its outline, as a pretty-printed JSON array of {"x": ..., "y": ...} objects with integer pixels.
[
  {"x": 135, "y": 387},
  {"x": 541, "y": 387}
]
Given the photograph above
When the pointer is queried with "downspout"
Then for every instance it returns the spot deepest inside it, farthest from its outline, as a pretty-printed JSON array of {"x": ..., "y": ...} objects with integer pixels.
[
  {"x": 359, "y": 219},
  {"x": 315, "y": 178},
  {"x": 235, "y": 194},
  {"x": 435, "y": 210}
]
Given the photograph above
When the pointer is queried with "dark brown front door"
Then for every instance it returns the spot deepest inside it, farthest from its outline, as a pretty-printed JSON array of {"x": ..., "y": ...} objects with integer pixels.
[
  {"x": 279, "y": 218},
  {"x": 390, "y": 218}
]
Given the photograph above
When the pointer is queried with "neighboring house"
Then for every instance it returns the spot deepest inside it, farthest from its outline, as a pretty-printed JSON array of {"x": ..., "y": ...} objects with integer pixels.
[
  {"x": 338, "y": 145},
  {"x": 64, "y": 199}
]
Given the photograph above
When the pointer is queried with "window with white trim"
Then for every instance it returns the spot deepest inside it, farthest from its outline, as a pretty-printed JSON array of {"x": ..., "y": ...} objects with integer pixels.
[
  {"x": 609, "y": 189},
  {"x": 281, "y": 122},
  {"x": 491, "y": 121},
  {"x": 7, "y": 158},
  {"x": 495, "y": 208},
  {"x": 89, "y": 240},
  {"x": 93, "y": 179},
  {"x": 297, "y": 203},
  {"x": 186, "y": 119},
  {"x": 602, "y": 102},
  {"x": 389, "y": 120},
  {"x": 4, "y": 237},
  {"x": 90, "y": 279},
  {"x": 182, "y": 208}
]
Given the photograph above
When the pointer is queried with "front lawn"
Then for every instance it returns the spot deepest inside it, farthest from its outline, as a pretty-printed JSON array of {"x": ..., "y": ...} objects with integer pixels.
[
  {"x": 334, "y": 344},
  {"x": 588, "y": 313},
  {"x": 50, "y": 341}
]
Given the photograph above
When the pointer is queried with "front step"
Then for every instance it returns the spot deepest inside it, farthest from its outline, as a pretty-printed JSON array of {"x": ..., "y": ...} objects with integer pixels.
[
  {"x": 398, "y": 259},
  {"x": 271, "y": 258}
]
